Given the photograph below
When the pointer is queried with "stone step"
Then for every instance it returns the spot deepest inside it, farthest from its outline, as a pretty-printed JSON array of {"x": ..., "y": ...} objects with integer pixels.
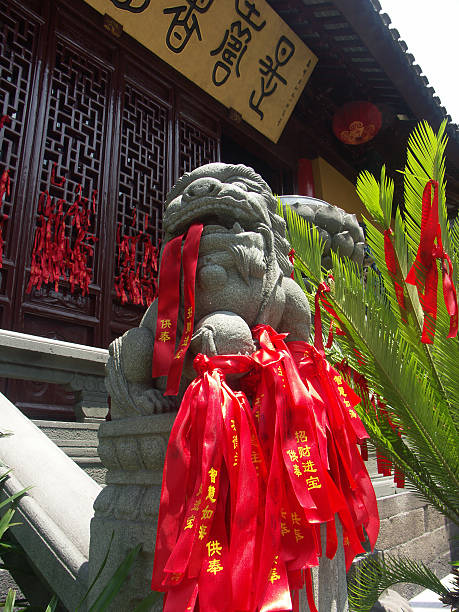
[
  {"x": 79, "y": 442},
  {"x": 75, "y": 451},
  {"x": 58, "y": 430}
]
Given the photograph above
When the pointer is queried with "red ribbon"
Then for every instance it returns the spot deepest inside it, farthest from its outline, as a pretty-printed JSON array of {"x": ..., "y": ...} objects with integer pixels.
[
  {"x": 134, "y": 283},
  {"x": 5, "y": 185},
  {"x": 165, "y": 362},
  {"x": 391, "y": 263},
  {"x": 168, "y": 307},
  {"x": 54, "y": 257},
  {"x": 244, "y": 496},
  {"x": 209, "y": 459},
  {"x": 57, "y": 182},
  {"x": 291, "y": 257},
  {"x": 189, "y": 262},
  {"x": 4, "y": 120},
  {"x": 322, "y": 289},
  {"x": 424, "y": 274}
]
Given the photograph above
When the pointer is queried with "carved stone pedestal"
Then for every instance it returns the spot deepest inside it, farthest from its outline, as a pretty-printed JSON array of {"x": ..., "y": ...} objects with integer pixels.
[{"x": 133, "y": 450}]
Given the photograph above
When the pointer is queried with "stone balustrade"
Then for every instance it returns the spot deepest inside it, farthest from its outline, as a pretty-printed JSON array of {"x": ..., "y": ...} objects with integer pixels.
[
  {"x": 77, "y": 367},
  {"x": 55, "y": 514}
]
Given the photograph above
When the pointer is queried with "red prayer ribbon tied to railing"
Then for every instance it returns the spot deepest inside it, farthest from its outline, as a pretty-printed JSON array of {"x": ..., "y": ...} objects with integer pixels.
[
  {"x": 247, "y": 484},
  {"x": 375, "y": 403},
  {"x": 383, "y": 463},
  {"x": 424, "y": 274}
]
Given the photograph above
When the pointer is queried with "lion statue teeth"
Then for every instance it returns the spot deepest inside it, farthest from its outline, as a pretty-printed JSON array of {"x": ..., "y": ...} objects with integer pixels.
[{"x": 243, "y": 271}]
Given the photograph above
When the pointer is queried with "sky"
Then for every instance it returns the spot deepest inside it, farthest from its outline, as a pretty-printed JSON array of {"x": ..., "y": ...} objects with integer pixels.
[{"x": 430, "y": 28}]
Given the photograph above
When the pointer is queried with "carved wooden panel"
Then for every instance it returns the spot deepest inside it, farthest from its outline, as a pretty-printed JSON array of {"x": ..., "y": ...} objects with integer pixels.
[
  {"x": 142, "y": 187},
  {"x": 74, "y": 146},
  {"x": 196, "y": 146},
  {"x": 18, "y": 47},
  {"x": 143, "y": 158}
]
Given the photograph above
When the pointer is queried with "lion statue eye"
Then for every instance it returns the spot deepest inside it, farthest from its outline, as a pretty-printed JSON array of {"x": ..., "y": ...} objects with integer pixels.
[{"x": 241, "y": 185}]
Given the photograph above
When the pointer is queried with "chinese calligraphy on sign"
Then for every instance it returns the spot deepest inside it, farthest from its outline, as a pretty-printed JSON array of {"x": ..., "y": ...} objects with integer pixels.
[
  {"x": 238, "y": 51},
  {"x": 184, "y": 23},
  {"x": 269, "y": 69},
  {"x": 134, "y": 6}
]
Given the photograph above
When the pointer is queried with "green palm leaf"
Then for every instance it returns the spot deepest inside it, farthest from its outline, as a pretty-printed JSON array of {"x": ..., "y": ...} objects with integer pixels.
[{"x": 374, "y": 575}]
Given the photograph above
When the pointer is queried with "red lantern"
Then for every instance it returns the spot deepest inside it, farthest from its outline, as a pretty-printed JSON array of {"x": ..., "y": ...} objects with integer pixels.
[{"x": 357, "y": 122}]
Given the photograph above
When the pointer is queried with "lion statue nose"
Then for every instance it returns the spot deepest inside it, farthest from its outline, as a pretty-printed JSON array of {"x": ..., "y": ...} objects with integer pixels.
[{"x": 201, "y": 187}]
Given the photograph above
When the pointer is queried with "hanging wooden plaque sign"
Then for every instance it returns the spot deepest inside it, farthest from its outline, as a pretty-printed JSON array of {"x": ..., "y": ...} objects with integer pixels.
[{"x": 238, "y": 51}]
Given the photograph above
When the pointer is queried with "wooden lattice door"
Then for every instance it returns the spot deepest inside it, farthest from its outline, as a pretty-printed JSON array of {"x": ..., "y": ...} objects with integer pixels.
[{"x": 97, "y": 113}]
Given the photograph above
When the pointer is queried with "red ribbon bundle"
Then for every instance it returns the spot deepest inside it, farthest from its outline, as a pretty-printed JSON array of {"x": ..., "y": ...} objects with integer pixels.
[
  {"x": 245, "y": 489},
  {"x": 424, "y": 274},
  {"x": 136, "y": 283},
  {"x": 54, "y": 258}
]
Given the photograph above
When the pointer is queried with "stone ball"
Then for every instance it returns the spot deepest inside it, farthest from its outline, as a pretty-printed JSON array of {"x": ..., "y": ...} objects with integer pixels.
[{"x": 222, "y": 333}]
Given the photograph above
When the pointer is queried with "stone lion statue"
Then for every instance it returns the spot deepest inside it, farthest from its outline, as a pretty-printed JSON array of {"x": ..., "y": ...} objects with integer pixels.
[{"x": 242, "y": 279}]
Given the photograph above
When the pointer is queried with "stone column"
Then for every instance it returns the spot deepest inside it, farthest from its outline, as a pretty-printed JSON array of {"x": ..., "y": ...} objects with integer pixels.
[{"x": 329, "y": 580}]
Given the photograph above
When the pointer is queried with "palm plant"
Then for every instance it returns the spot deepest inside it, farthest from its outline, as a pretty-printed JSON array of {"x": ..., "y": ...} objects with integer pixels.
[{"x": 382, "y": 335}]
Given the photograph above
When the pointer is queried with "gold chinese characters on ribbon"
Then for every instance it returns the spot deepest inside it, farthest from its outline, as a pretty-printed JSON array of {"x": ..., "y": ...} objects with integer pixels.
[{"x": 238, "y": 51}]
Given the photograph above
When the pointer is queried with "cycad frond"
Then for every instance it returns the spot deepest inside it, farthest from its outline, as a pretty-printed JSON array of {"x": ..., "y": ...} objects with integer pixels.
[
  {"x": 417, "y": 381},
  {"x": 374, "y": 575},
  {"x": 306, "y": 242}
]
